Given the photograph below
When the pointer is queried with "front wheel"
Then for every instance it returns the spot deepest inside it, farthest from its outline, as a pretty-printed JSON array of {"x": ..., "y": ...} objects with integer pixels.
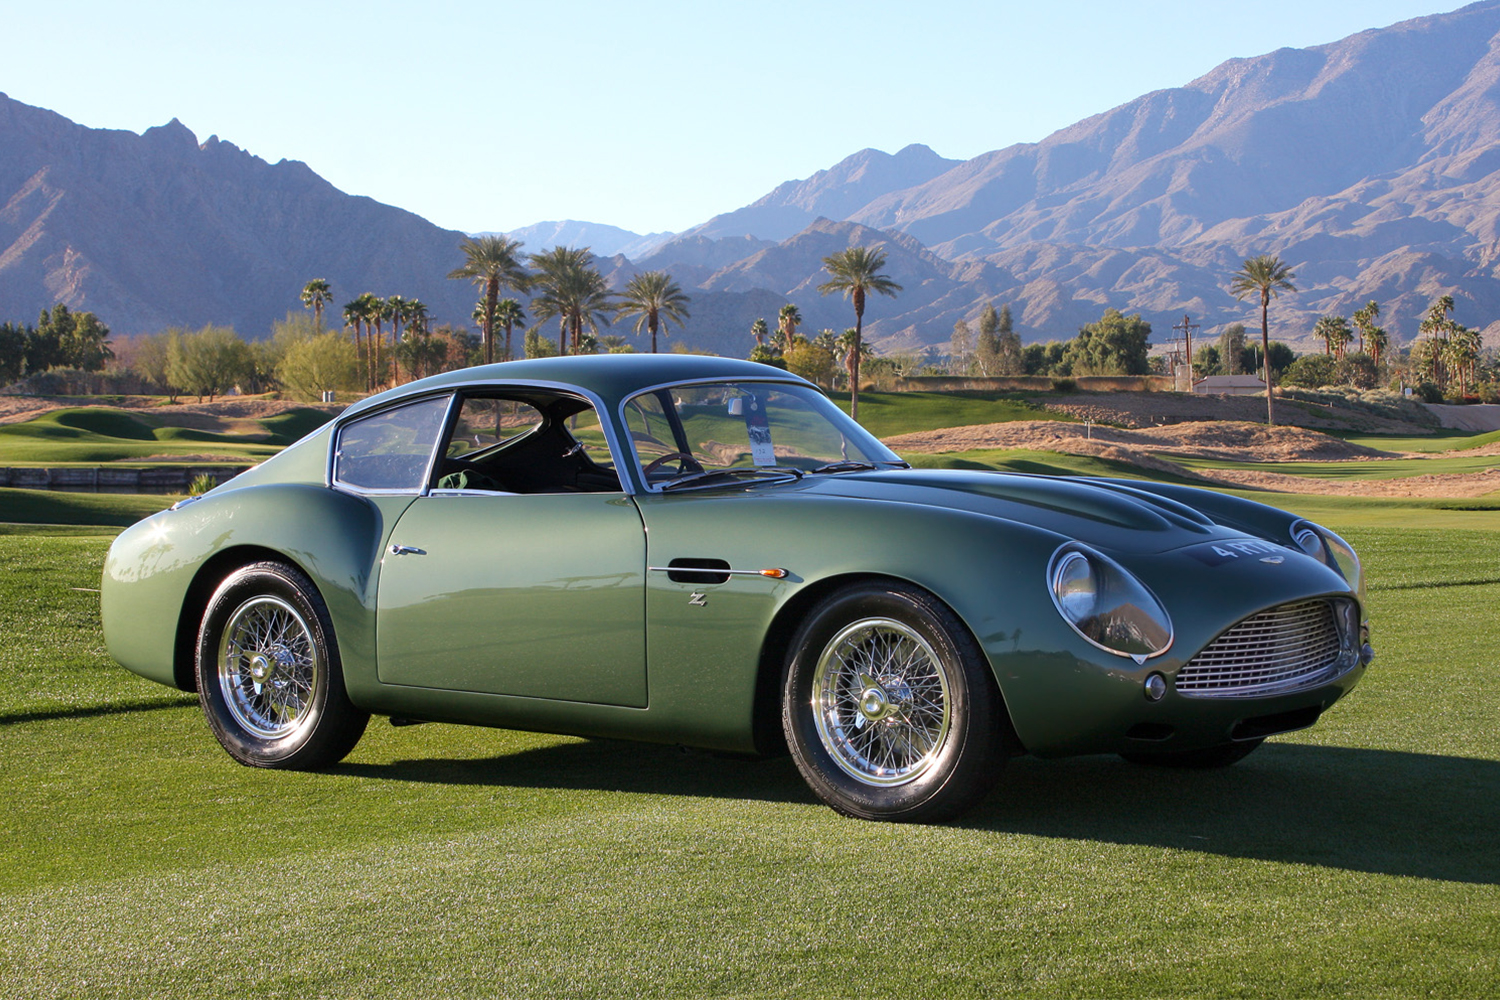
[
  {"x": 889, "y": 707},
  {"x": 269, "y": 677}
]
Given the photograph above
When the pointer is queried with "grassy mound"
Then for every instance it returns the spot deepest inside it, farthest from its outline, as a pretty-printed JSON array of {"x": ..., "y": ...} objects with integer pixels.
[
  {"x": 94, "y": 434},
  {"x": 57, "y": 507}
]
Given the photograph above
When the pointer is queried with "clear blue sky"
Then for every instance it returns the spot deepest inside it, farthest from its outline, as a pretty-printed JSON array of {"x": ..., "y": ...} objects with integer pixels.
[{"x": 652, "y": 115}]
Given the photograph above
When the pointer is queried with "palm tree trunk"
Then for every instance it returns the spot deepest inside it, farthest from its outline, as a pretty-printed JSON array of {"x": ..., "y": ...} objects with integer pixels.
[
  {"x": 1265, "y": 350},
  {"x": 859, "y": 327},
  {"x": 491, "y": 296},
  {"x": 652, "y": 325}
]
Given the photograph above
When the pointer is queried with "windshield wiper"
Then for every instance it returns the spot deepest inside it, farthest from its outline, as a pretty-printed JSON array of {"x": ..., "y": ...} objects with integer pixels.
[
  {"x": 854, "y": 465},
  {"x": 713, "y": 477},
  {"x": 845, "y": 465}
]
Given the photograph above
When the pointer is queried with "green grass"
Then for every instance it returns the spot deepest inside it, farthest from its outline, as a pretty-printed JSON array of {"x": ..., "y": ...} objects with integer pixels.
[
  {"x": 1357, "y": 859},
  {"x": 1446, "y": 439},
  {"x": 96, "y": 434},
  {"x": 56, "y": 507},
  {"x": 886, "y": 414}
]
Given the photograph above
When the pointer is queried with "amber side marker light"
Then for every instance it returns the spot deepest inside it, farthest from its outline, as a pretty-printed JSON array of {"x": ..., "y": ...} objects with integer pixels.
[{"x": 775, "y": 574}]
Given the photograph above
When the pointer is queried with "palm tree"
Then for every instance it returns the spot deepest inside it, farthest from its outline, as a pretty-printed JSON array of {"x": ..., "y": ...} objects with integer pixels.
[
  {"x": 844, "y": 346},
  {"x": 1268, "y": 277},
  {"x": 314, "y": 294},
  {"x": 509, "y": 314},
  {"x": 787, "y": 322},
  {"x": 394, "y": 309},
  {"x": 493, "y": 262},
  {"x": 653, "y": 297},
  {"x": 1438, "y": 325},
  {"x": 416, "y": 315},
  {"x": 760, "y": 331},
  {"x": 856, "y": 272},
  {"x": 1378, "y": 340},
  {"x": 1461, "y": 353},
  {"x": 1364, "y": 321},
  {"x": 354, "y": 315},
  {"x": 375, "y": 313},
  {"x": 1335, "y": 333},
  {"x": 573, "y": 290}
]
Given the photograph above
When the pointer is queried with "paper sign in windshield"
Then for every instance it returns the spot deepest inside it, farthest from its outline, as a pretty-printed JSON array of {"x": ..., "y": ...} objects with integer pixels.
[{"x": 759, "y": 430}]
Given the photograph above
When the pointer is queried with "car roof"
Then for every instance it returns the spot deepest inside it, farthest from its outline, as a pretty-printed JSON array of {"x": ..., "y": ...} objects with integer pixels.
[{"x": 611, "y": 377}]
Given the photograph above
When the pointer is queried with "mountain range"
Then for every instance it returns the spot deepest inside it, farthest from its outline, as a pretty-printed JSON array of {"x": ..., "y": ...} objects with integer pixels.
[{"x": 1370, "y": 164}]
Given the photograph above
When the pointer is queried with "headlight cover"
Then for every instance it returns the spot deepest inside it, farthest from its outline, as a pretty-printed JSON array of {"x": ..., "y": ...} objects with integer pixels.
[
  {"x": 1332, "y": 551},
  {"x": 1106, "y": 604}
]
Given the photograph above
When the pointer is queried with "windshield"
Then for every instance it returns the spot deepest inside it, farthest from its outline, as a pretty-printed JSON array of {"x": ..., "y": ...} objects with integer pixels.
[{"x": 691, "y": 429}]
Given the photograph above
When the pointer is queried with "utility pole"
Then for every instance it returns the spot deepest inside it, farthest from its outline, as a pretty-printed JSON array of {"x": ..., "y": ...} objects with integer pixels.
[{"x": 1187, "y": 327}]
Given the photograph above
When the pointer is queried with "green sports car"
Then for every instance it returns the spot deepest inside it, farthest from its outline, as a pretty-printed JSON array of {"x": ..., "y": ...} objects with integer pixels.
[{"x": 708, "y": 552}]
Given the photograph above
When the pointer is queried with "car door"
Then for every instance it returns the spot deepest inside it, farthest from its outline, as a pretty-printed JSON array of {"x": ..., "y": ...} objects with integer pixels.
[{"x": 538, "y": 594}]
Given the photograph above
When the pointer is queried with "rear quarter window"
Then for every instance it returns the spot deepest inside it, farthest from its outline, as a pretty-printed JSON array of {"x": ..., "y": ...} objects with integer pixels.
[{"x": 390, "y": 450}]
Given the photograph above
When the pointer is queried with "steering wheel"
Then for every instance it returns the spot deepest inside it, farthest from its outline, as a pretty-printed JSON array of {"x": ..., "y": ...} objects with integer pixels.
[{"x": 686, "y": 460}]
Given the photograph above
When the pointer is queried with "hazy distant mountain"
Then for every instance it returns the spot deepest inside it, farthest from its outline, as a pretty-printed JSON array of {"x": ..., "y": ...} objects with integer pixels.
[
  {"x": 835, "y": 193},
  {"x": 606, "y": 241},
  {"x": 155, "y": 230}
]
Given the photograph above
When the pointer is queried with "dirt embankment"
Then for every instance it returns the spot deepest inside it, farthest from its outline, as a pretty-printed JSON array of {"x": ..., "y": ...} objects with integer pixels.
[{"x": 1152, "y": 448}]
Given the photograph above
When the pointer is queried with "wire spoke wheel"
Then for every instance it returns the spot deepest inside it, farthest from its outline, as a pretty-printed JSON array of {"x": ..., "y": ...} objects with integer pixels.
[
  {"x": 881, "y": 702},
  {"x": 268, "y": 667}
]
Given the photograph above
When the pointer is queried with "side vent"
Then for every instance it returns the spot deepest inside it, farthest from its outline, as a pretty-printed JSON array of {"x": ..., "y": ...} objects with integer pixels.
[{"x": 698, "y": 571}]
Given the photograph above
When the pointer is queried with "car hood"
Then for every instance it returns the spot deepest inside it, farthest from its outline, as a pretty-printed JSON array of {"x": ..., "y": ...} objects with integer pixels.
[{"x": 1108, "y": 515}]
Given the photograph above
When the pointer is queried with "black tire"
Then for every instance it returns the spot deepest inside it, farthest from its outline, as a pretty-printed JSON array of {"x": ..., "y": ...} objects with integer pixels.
[
  {"x": 919, "y": 738},
  {"x": 1220, "y": 756},
  {"x": 269, "y": 676}
]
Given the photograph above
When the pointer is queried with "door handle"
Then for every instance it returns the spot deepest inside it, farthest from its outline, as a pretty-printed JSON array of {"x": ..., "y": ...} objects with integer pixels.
[{"x": 406, "y": 550}]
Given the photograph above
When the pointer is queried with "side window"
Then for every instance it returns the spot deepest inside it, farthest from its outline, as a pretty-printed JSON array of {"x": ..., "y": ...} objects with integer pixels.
[
  {"x": 390, "y": 450},
  {"x": 531, "y": 442},
  {"x": 485, "y": 423}
]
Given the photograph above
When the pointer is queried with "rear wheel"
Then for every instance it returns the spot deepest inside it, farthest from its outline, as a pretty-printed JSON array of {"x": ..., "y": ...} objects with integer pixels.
[
  {"x": 889, "y": 707},
  {"x": 269, "y": 676},
  {"x": 1210, "y": 757}
]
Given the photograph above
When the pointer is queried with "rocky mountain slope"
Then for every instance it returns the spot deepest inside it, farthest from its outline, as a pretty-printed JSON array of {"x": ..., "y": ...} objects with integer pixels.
[{"x": 157, "y": 230}]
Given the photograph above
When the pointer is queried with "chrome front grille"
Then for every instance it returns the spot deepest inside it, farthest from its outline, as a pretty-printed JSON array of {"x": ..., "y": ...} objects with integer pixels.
[{"x": 1289, "y": 646}]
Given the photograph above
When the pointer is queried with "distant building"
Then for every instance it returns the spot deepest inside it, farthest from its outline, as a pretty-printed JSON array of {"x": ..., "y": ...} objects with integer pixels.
[{"x": 1230, "y": 385}]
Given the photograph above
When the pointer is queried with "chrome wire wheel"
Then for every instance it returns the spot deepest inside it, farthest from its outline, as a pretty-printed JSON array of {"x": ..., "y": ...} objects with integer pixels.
[
  {"x": 268, "y": 667},
  {"x": 881, "y": 702}
]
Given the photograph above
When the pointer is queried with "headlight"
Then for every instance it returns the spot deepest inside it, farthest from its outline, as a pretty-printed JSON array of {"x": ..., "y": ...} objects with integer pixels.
[
  {"x": 1107, "y": 605},
  {"x": 1332, "y": 551}
]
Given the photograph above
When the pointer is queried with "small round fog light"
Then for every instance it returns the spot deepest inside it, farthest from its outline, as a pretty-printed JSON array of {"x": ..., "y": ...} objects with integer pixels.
[{"x": 1156, "y": 687}]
